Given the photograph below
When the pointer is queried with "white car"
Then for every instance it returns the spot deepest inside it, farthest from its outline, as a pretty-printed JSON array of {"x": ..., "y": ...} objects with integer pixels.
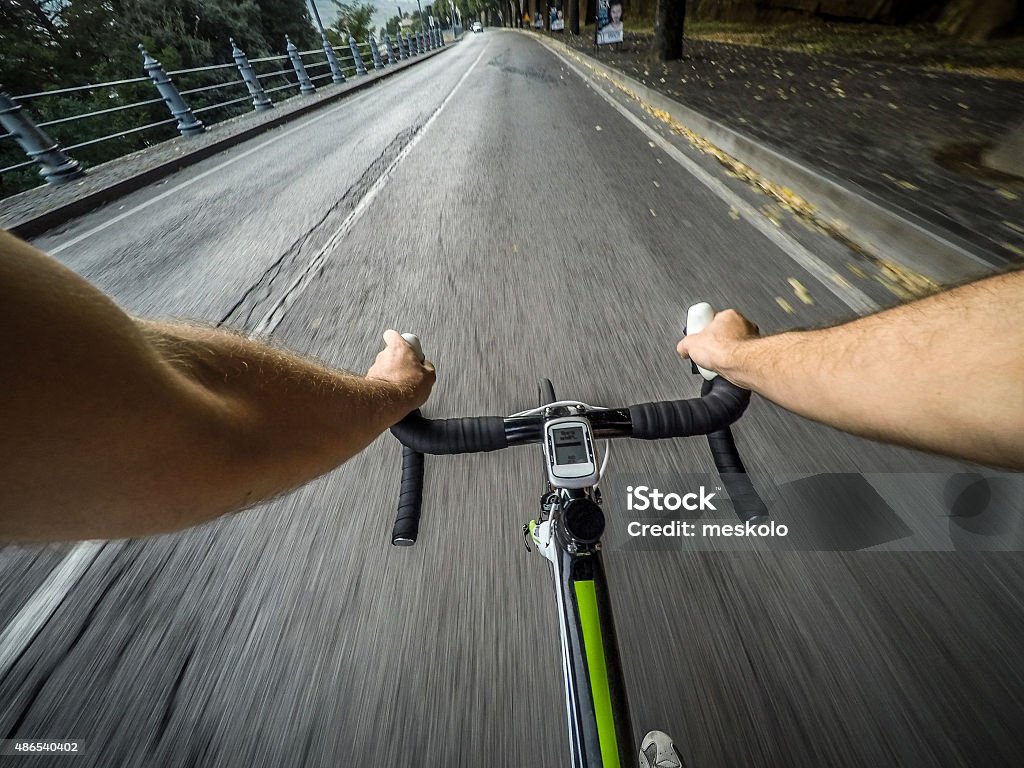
[{"x": 478, "y": 27}]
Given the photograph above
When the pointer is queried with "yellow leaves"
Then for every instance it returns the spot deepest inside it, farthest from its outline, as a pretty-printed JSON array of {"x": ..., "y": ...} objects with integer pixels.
[
  {"x": 786, "y": 306},
  {"x": 1006, "y": 193},
  {"x": 902, "y": 182},
  {"x": 801, "y": 291},
  {"x": 1012, "y": 249},
  {"x": 733, "y": 213},
  {"x": 841, "y": 281},
  {"x": 773, "y": 213},
  {"x": 857, "y": 271},
  {"x": 905, "y": 282}
]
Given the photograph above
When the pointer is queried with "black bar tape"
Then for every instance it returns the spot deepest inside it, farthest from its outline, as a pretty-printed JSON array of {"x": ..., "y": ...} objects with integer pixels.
[
  {"x": 745, "y": 499},
  {"x": 410, "y": 499},
  {"x": 448, "y": 436},
  {"x": 720, "y": 404}
]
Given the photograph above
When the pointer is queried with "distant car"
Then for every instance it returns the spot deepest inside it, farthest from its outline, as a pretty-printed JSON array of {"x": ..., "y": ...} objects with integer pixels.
[{"x": 478, "y": 27}]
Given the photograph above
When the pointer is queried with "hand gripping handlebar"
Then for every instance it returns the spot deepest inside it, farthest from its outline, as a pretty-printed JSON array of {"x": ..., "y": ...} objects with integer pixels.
[{"x": 720, "y": 404}]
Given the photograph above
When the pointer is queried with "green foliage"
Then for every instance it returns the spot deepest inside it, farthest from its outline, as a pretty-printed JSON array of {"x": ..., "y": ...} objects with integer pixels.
[
  {"x": 54, "y": 44},
  {"x": 355, "y": 19}
]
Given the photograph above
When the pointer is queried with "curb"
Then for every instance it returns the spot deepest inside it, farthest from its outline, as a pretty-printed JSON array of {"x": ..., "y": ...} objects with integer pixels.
[
  {"x": 887, "y": 232},
  {"x": 35, "y": 224}
]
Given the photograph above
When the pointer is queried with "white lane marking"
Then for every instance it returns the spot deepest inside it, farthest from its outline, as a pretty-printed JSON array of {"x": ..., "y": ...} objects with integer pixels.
[
  {"x": 298, "y": 286},
  {"x": 41, "y": 606},
  {"x": 851, "y": 296},
  {"x": 345, "y": 104}
]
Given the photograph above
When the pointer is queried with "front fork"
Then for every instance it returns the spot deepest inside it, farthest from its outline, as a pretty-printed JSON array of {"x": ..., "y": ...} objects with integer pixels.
[{"x": 600, "y": 726}]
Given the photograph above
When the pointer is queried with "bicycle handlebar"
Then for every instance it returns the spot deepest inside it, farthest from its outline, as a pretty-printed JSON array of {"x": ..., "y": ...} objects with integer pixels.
[{"x": 720, "y": 404}]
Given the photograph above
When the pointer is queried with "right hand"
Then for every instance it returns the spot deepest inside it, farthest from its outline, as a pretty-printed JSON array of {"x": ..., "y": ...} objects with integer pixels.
[
  {"x": 715, "y": 348},
  {"x": 398, "y": 364}
]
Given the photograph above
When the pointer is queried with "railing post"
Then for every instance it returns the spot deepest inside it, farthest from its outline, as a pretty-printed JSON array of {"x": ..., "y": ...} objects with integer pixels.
[
  {"x": 260, "y": 100},
  {"x": 188, "y": 125},
  {"x": 440, "y": 37},
  {"x": 375, "y": 53},
  {"x": 352, "y": 44},
  {"x": 305, "y": 86},
  {"x": 392, "y": 56},
  {"x": 428, "y": 34},
  {"x": 55, "y": 166},
  {"x": 410, "y": 45},
  {"x": 337, "y": 76},
  {"x": 421, "y": 41}
]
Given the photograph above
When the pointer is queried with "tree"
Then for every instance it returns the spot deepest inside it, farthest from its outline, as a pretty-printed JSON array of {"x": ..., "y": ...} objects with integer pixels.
[
  {"x": 355, "y": 19},
  {"x": 668, "y": 30}
]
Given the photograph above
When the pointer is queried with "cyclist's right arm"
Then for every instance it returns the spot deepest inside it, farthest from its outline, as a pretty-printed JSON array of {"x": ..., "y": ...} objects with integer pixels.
[
  {"x": 117, "y": 427},
  {"x": 943, "y": 374}
]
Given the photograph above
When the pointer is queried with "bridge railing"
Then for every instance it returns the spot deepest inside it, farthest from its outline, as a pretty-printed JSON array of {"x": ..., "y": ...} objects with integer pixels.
[{"x": 51, "y": 127}]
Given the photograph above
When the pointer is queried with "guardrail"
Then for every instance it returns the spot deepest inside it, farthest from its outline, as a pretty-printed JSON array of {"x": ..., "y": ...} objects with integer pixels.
[{"x": 260, "y": 78}]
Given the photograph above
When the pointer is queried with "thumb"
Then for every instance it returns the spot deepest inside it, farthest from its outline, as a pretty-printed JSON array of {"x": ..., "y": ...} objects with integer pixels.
[
  {"x": 392, "y": 337},
  {"x": 682, "y": 348}
]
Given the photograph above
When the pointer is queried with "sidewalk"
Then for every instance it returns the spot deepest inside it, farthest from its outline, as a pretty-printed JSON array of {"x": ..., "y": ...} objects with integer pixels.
[{"x": 908, "y": 137}]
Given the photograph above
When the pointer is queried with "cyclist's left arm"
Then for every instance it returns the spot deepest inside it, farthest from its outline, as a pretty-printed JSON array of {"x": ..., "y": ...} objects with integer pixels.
[{"x": 116, "y": 427}]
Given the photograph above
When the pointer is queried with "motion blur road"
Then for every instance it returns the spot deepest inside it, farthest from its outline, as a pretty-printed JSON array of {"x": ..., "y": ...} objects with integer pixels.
[{"x": 524, "y": 222}]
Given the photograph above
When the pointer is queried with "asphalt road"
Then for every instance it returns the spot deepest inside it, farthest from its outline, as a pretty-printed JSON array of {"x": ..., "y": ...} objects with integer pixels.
[{"x": 498, "y": 205}]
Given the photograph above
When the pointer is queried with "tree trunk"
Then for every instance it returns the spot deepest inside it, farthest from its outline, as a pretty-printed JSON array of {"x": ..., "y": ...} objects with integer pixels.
[
  {"x": 572, "y": 19},
  {"x": 668, "y": 30}
]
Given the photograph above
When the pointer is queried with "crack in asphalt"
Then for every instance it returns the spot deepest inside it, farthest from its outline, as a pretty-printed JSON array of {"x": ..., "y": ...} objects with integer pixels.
[{"x": 242, "y": 312}]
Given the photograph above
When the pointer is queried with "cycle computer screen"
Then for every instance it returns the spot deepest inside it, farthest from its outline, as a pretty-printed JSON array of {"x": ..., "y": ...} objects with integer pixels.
[{"x": 569, "y": 447}]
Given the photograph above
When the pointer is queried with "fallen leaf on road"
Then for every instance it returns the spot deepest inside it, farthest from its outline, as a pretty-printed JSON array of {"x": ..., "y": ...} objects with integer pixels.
[
  {"x": 786, "y": 306},
  {"x": 597, "y": 127},
  {"x": 841, "y": 281},
  {"x": 657, "y": 185},
  {"x": 908, "y": 185},
  {"x": 652, "y": 212},
  {"x": 1012, "y": 248},
  {"x": 801, "y": 292},
  {"x": 734, "y": 214},
  {"x": 857, "y": 271},
  {"x": 1007, "y": 194}
]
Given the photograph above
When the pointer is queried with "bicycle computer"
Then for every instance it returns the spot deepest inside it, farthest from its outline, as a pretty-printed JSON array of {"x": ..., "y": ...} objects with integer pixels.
[{"x": 569, "y": 449}]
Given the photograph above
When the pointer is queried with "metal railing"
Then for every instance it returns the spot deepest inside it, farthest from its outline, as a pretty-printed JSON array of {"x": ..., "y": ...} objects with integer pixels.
[{"x": 260, "y": 77}]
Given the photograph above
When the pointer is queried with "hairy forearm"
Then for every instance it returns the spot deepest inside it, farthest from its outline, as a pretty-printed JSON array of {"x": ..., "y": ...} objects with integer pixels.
[
  {"x": 943, "y": 374},
  {"x": 115, "y": 427},
  {"x": 291, "y": 419}
]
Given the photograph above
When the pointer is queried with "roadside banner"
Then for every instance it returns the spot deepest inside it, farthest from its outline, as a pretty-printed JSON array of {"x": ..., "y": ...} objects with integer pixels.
[
  {"x": 609, "y": 22},
  {"x": 557, "y": 19},
  {"x": 538, "y": 21}
]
